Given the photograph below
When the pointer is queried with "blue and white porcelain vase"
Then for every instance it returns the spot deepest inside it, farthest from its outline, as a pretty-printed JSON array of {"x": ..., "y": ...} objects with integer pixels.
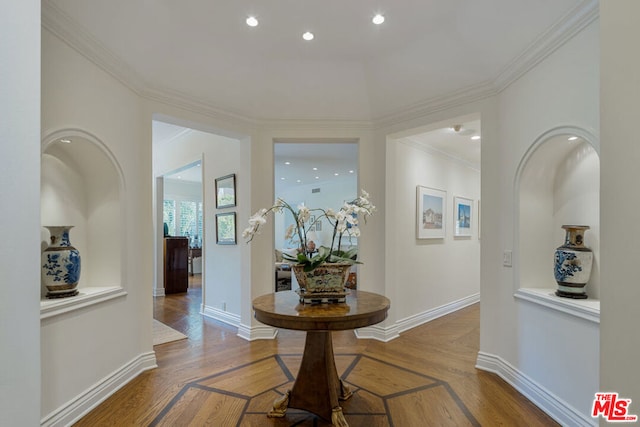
[
  {"x": 60, "y": 270},
  {"x": 573, "y": 261}
]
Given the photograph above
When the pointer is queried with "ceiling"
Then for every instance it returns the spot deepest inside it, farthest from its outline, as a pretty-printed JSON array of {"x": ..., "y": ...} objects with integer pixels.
[
  {"x": 202, "y": 51},
  {"x": 459, "y": 143},
  {"x": 308, "y": 163}
]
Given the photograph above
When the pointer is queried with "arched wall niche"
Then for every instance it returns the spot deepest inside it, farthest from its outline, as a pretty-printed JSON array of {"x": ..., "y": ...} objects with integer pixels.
[
  {"x": 82, "y": 185},
  {"x": 557, "y": 183}
]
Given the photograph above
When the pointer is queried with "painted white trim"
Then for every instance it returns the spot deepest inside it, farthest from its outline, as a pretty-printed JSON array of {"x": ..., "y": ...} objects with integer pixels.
[
  {"x": 435, "y": 152},
  {"x": 82, "y": 404},
  {"x": 551, "y": 404},
  {"x": 158, "y": 292},
  {"x": 548, "y": 42},
  {"x": 259, "y": 332},
  {"x": 221, "y": 316},
  {"x": 72, "y": 33},
  {"x": 429, "y": 315},
  {"x": 588, "y": 309},
  {"x": 377, "y": 332},
  {"x": 388, "y": 333},
  {"x": 86, "y": 297}
]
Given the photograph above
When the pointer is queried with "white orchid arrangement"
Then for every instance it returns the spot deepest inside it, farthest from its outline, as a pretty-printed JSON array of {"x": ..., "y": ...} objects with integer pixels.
[{"x": 344, "y": 221}]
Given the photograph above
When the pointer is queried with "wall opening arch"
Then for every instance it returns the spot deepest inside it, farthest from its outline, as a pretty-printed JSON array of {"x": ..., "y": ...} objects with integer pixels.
[
  {"x": 557, "y": 182},
  {"x": 82, "y": 184}
]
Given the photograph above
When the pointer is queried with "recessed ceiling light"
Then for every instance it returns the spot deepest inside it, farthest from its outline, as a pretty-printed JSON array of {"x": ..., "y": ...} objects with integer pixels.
[
  {"x": 252, "y": 21},
  {"x": 475, "y": 137},
  {"x": 317, "y": 177},
  {"x": 282, "y": 178},
  {"x": 179, "y": 177},
  {"x": 308, "y": 36},
  {"x": 66, "y": 141},
  {"x": 573, "y": 138},
  {"x": 378, "y": 19},
  {"x": 298, "y": 180},
  {"x": 315, "y": 169},
  {"x": 351, "y": 171},
  {"x": 336, "y": 174},
  {"x": 287, "y": 163}
]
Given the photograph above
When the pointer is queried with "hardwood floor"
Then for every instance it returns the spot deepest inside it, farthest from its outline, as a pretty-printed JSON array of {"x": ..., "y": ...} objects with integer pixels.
[{"x": 424, "y": 378}]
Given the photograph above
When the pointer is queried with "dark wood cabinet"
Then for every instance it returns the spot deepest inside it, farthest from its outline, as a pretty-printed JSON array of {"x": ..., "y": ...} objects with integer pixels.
[{"x": 176, "y": 264}]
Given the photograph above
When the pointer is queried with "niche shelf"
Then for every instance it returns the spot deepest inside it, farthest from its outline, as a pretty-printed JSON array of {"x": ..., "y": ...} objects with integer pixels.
[
  {"x": 82, "y": 185},
  {"x": 558, "y": 182}
]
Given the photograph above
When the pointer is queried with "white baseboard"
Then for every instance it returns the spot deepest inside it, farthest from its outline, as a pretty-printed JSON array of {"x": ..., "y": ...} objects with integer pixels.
[
  {"x": 377, "y": 332},
  {"x": 429, "y": 315},
  {"x": 555, "y": 407},
  {"x": 78, "y": 407},
  {"x": 158, "y": 292},
  {"x": 259, "y": 332},
  {"x": 388, "y": 333},
  {"x": 221, "y": 315},
  {"x": 249, "y": 333}
]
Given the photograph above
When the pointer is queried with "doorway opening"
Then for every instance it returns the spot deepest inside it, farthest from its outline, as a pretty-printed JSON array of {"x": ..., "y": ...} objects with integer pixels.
[{"x": 316, "y": 174}]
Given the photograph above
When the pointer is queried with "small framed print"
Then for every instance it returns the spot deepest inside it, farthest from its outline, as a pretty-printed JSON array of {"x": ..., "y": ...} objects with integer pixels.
[
  {"x": 462, "y": 216},
  {"x": 226, "y": 228},
  {"x": 430, "y": 213},
  {"x": 226, "y": 191}
]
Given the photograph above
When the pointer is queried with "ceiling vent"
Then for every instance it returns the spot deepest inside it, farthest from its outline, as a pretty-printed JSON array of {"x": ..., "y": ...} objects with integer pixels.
[{"x": 315, "y": 190}]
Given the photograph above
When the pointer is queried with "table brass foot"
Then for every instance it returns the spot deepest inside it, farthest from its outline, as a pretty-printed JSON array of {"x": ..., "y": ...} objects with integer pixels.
[
  {"x": 345, "y": 391},
  {"x": 337, "y": 418},
  {"x": 280, "y": 406}
]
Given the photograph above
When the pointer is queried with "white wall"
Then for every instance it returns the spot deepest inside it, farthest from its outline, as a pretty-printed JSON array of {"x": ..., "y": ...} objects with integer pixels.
[
  {"x": 561, "y": 90},
  {"x": 620, "y": 91},
  {"x": 110, "y": 340},
  {"x": 20, "y": 225},
  {"x": 221, "y": 156},
  {"x": 429, "y": 273},
  {"x": 332, "y": 195}
]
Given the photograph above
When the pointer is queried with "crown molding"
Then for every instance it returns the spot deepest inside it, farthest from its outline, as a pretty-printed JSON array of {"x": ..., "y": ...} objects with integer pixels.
[
  {"x": 197, "y": 106},
  {"x": 72, "y": 33},
  {"x": 548, "y": 42},
  {"x": 78, "y": 38},
  {"x": 435, "y": 152},
  {"x": 453, "y": 99}
]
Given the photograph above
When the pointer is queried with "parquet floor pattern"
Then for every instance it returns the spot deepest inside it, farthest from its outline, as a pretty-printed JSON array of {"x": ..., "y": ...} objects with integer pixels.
[{"x": 426, "y": 377}]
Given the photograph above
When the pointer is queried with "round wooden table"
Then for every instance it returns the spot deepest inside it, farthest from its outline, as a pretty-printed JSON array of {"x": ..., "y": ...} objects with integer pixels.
[{"x": 317, "y": 387}]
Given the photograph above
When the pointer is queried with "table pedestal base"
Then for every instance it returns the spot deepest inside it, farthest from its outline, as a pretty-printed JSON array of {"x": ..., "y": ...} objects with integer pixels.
[{"x": 317, "y": 380}]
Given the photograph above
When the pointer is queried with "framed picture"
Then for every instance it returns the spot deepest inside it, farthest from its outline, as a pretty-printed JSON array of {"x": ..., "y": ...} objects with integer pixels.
[
  {"x": 312, "y": 220},
  {"x": 462, "y": 216},
  {"x": 226, "y": 228},
  {"x": 226, "y": 191},
  {"x": 430, "y": 213}
]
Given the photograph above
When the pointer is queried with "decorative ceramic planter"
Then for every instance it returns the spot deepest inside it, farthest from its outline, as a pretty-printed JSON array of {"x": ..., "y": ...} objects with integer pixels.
[
  {"x": 60, "y": 262},
  {"x": 572, "y": 264},
  {"x": 326, "y": 278}
]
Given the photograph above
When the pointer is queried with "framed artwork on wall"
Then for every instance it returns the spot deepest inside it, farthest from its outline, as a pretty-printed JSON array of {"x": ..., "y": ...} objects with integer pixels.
[
  {"x": 430, "y": 213},
  {"x": 226, "y": 191},
  {"x": 226, "y": 228},
  {"x": 462, "y": 216}
]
